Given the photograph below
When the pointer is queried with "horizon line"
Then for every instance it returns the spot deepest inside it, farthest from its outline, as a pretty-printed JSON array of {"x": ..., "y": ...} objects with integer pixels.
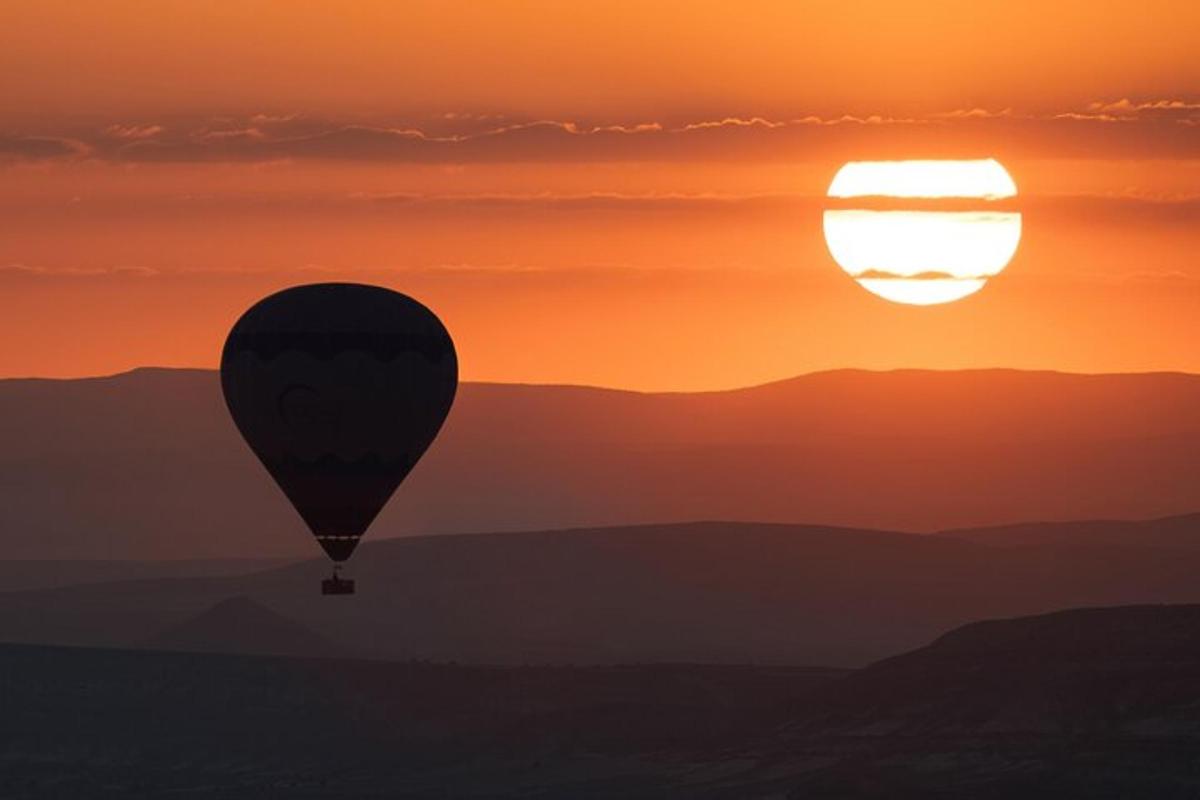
[{"x": 627, "y": 390}]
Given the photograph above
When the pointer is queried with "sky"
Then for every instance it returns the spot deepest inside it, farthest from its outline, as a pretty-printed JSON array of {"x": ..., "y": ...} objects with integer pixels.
[{"x": 616, "y": 194}]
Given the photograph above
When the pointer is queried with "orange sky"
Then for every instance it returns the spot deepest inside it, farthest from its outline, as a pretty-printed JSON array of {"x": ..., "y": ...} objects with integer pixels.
[{"x": 613, "y": 193}]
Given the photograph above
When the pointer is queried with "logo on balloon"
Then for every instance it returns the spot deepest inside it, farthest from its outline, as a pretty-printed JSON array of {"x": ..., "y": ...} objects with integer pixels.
[{"x": 303, "y": 409}]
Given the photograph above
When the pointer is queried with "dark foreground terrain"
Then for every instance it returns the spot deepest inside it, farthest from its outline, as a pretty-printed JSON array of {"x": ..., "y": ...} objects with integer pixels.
[{"x": 1088, "y": 703}]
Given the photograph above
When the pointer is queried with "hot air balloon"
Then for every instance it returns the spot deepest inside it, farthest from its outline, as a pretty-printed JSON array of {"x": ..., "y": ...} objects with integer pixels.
[{"x": 339, "y": 389}]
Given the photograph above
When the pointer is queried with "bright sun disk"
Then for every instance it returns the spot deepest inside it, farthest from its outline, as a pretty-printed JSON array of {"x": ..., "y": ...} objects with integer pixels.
[{"x": 922, "y": 257}]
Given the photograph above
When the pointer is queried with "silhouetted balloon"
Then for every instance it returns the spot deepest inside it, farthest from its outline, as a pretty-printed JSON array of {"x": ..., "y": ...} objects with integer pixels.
[{"x": 339, "y": 389}]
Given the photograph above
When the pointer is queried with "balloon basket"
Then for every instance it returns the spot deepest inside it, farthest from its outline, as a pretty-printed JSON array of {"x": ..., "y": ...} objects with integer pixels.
[{"x": 336, "y": 584}]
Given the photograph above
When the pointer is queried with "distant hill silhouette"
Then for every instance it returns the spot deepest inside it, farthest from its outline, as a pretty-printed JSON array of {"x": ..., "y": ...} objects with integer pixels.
[
  {"x": 1170, "y": 532},
  {"x": 702, "y": 592},
  {"x": 1086, "y": 703},
  {"x": 1100, "y": 670},
  {"x": 18, "y": 575},
  {"x": 241, "y": 625},
  {"x": 1094, "y": 703},
  {"x": 147, "y": 465}
]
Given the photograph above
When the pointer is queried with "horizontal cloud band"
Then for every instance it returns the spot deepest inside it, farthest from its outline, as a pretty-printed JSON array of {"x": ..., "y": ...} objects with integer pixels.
[{"x": 1122, "y": 129}]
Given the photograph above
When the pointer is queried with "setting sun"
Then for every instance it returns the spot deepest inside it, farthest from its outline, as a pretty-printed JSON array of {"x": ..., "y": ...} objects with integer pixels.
[{"x": 922, "y": 257}]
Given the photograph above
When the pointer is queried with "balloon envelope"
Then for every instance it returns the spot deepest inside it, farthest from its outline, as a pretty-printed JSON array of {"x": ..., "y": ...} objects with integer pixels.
[{"x": 339, "y": 389}]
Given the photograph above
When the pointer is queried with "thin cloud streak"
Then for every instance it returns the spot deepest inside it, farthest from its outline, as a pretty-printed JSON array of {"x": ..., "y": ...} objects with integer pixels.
[{"x": 1110, "y": 209}]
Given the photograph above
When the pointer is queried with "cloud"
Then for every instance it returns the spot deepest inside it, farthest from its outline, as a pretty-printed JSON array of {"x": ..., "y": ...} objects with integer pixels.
[
  {"x": 1165, "y": 277},
  {"x": 20, "y": 271},
  {"x": 739, "y": 123},
  {"x": 590, "y": 202},
  {"x": 974, "y": 113},
  {"x": 488, "y": 272},
  {"x": 932, "y": 275},
  {"x": 35, "y": 148},
  {"x": 1108, "y": 209},
  {"x": 1103, "y": 129},
  {"x": 134, "y": 132},
  {"x": 1127, "y": 107},
  {"x": 598, "y": 208},
  {"x": 1116, "y": 209}
]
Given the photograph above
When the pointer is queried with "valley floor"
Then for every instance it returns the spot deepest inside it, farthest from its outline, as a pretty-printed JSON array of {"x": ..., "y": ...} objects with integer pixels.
[{"x": 1095, "y": 703}]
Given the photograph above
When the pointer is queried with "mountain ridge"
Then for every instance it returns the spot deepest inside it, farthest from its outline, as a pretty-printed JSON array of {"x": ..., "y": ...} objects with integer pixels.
[
  {"x": 148, "y": 465},
  {"x": 151, "y": 369},
  {"x": 239, "y": 624},
  {"x": 699, "y": 592}
]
